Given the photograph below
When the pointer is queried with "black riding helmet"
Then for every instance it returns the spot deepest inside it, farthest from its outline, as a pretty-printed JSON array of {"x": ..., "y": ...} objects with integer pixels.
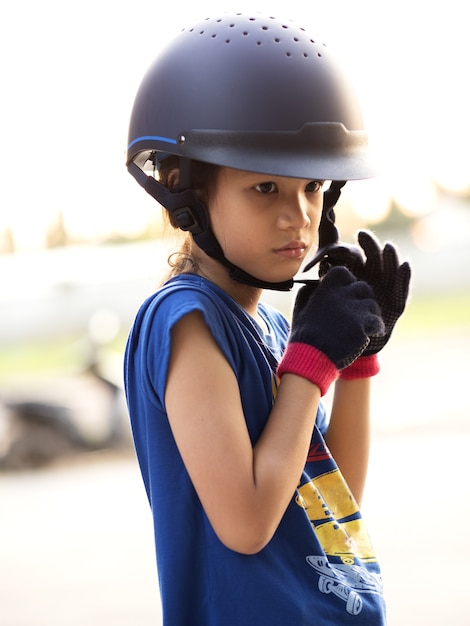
[{"x": 250, "y": 92}]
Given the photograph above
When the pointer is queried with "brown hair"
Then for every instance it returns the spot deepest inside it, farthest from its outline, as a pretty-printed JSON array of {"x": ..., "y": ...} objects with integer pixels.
[{"x": 203, "y": 179}]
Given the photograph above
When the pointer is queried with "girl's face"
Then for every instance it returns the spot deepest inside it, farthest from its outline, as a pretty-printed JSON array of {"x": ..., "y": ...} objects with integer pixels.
[{"x": 265, "y": 224}]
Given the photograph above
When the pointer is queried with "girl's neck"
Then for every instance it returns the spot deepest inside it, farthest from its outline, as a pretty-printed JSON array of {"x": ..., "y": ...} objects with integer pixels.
[{"x": 246, "y": 296}]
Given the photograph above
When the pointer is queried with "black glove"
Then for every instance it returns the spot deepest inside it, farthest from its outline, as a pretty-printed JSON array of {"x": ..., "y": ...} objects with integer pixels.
[
  {"x": 332, "y": 324},
  {"x": 381, "y": 270}
]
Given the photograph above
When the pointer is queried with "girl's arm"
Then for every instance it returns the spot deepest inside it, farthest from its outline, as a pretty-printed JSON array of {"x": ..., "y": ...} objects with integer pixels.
[
  {"x": 244, "y": 490},
  {"x": 348, "y": 435}
]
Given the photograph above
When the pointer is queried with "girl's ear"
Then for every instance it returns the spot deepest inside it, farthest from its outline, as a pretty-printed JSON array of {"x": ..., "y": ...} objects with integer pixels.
[{"x": 173, "y": 178}]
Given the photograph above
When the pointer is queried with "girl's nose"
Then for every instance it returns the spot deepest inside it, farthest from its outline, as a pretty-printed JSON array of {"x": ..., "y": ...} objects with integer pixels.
[{"x": 295, "y": 213}]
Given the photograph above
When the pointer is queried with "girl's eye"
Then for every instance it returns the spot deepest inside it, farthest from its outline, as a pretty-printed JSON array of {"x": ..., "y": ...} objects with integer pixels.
[
  {"x": 266, "y": 187},
  {"x": 314, "y": 185}
]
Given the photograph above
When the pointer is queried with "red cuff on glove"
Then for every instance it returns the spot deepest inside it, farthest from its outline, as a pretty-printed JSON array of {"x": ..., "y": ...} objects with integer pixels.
[
  {"x": 363, "y": 367},
  {"x": 306, "y": 361}
]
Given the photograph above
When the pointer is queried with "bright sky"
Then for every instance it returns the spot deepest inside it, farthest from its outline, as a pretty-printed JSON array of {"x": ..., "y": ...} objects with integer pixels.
[{"x": 70, "y": 72}]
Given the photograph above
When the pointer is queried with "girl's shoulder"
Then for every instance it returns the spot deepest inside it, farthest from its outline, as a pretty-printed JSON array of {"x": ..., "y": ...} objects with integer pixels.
[
  {"x": 185, "y": 294},
  {"x": 181, "y": 295}
]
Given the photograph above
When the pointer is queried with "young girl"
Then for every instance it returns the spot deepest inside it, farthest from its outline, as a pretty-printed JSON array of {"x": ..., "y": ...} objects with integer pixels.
[{"x": 254, "y": 492}]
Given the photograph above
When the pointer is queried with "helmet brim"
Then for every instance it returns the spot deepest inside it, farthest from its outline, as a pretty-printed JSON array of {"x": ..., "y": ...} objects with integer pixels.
[{"x": 317, "y": 151}]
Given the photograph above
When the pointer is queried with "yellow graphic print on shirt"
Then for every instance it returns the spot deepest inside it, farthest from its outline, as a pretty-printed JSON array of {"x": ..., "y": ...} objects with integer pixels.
[
  {"x": 338, "y": 525},
  {"x": 335, "y": 518}
]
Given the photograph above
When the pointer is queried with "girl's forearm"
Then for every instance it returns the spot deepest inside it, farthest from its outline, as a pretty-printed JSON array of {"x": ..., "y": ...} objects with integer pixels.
[{"x": 348, "y": 435}]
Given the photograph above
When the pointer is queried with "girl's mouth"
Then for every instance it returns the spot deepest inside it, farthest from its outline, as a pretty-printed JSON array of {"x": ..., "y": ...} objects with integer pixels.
[{"x": 293, "y": 250}]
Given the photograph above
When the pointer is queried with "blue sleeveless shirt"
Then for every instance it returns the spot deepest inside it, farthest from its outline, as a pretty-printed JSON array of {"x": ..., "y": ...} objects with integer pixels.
[{"x": 319, "y": 568}]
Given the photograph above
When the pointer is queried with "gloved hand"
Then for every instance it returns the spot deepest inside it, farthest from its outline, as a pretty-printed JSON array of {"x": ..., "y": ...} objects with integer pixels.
[
  {"x": 382, "y": 271},
  {"x": 332, "y": 324}
]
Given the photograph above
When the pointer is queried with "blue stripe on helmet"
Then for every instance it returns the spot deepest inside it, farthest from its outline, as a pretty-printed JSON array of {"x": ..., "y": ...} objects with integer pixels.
[{"x": 152, "y": 138}]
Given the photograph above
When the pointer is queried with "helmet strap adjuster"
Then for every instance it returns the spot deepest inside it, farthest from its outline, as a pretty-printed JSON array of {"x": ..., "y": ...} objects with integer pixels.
[{"x": 186, "y": 219}]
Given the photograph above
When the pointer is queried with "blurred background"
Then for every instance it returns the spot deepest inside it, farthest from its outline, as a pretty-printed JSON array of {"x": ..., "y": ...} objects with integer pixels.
[{"x": 81, "y": 246}]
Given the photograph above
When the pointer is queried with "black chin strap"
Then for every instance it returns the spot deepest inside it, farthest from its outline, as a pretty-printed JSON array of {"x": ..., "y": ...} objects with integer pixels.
[
  {"x": 189, "y": 214},
  {"x": 327, "y": 232}
]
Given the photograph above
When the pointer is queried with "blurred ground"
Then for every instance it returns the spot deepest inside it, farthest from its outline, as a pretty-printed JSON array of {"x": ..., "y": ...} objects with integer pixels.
[{"x": 76, "y": 541}]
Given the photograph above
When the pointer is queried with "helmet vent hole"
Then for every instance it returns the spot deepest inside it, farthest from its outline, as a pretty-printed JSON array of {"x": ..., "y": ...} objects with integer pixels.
[{"x": 261, "y": 32}]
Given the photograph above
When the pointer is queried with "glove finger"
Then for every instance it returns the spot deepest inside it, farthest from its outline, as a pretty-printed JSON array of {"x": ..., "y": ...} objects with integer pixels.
[
  {"x": 338, "y": 276},
  {"x": 372, "y": 321},
  {"x": 373, "y": 324},
  {"x": 389, "y": 271},
  {"x": 373, "y": 253},
  {"x": 362, "y": 290},
  {"x": 345, "y": 255},
  {"x": 354, "y": 265},
  {"x": 390, "y": 258},
  {"x": 402, "y": 287},
  {"x": 390, "y": 264},
  {"x": 404, "y": 273}
]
